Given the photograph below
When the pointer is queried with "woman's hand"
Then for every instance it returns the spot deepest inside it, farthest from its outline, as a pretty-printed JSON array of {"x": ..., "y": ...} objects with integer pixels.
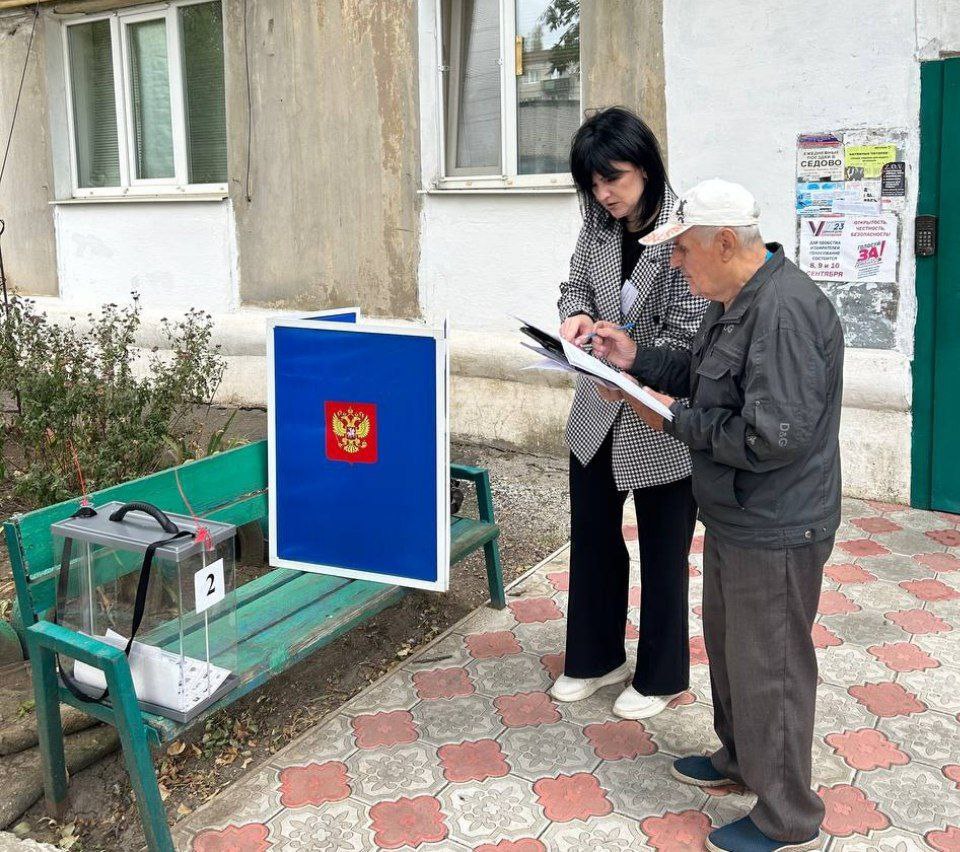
[
  {"x": 576, "y": 326},
  {"x": 612, "y": 345}
]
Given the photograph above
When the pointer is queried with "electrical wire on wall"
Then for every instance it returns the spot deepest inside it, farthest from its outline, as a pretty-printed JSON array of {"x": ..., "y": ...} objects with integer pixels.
[{"x": 246, "y": 60}]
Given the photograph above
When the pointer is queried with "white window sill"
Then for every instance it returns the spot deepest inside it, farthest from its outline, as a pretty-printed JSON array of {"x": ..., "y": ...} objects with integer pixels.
[
  {"x": 142, "y": 199},
  {"x": 499, "y": 190}
]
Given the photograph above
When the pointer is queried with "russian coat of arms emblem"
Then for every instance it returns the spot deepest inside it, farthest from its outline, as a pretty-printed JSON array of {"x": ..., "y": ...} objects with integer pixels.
[{"x": 351, "y": 431}]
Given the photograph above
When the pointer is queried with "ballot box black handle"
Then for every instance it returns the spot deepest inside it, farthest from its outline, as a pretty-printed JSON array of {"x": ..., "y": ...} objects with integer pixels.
[{"x": 166, "y": 524}]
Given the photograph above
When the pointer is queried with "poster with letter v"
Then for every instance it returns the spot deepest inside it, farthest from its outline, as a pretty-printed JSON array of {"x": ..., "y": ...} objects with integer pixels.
[{"x": 358, "y": 430}]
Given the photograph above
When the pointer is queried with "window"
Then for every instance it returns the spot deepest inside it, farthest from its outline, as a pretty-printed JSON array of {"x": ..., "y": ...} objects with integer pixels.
[
  {"x": 510, "y": 83},
  {"x": 146, "y": 100}
]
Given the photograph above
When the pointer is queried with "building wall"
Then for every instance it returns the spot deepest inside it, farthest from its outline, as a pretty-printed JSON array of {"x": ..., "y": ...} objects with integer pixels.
[
  {"x": 28, "y": 242},
  {"x": 330, "y": 212},
  {"x": 487, "y": 256}
]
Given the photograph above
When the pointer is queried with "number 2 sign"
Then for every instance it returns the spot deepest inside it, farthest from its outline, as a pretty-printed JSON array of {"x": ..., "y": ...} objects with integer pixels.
[{"x": 208, "y": 585}]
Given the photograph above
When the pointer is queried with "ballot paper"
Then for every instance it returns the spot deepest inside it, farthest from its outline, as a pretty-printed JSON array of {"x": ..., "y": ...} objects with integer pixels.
[
  {"x": 585, "y": 361},
  {"x": 160, "y": 678}
]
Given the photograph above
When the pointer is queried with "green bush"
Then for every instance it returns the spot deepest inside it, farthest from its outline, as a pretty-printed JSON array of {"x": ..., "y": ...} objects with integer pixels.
[{"x": 75, "y": 391}]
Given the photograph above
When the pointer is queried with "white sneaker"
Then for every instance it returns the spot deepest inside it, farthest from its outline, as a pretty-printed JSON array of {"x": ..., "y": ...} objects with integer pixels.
[
  {"x": 577, "y": 688},
  {"x": 634, "y": 705}
]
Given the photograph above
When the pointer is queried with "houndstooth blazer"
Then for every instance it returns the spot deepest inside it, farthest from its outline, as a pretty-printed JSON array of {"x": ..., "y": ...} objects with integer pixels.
[{"x": 665, "y": 313}]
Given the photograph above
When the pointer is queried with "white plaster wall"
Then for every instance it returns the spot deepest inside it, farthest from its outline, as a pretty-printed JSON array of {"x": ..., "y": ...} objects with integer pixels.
[
  {"x": 745, "y": 77},
  {"x": 484, "y": 256},
  {"x": 175, "y": 254}
]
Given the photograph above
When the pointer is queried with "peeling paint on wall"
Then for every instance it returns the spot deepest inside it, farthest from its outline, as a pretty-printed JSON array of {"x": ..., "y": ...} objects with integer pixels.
[{"x": 333, "y": 215}]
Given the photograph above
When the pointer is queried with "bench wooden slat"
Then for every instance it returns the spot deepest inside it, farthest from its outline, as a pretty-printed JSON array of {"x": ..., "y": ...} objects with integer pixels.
[
  {"x": 210, "y": 484},
  {"x": 467, "y": 534},
  {"x": 292, "y": 640}
]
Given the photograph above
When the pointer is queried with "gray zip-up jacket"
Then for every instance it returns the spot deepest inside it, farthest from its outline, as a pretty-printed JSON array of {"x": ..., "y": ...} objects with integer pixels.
[{"x": 765, "y": 381}]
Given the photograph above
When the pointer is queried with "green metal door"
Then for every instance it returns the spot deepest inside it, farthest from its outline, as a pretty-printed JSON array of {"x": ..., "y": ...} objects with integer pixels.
[{"x": 936, "y": 368}]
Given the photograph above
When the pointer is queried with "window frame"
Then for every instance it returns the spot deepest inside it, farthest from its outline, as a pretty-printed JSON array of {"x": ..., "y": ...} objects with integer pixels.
[
  {"x": 131, "y": 186},
  {"x": 508, "y": 177}
]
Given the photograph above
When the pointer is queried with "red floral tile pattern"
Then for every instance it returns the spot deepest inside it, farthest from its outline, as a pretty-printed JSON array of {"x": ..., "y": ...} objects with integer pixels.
[
  {"x": 234, "y": 838},
  {"x": 836, "y": 603},
  {"x": 634, "y": 596},
  {"x": 528, "y": 844},
  {"x": 682, "y": 699},
  {"x": 948, "y": 538},
  {"x": 619, "y": 740},
  {"x": 630, "y": 532},
  {"x": 930, "y": 590},
  {"x": 953, "y": 773},
  {"x": 693, "y": 571},
  {"x": 863, "y": 547},
  {"x": 373, "y": 730},
  {"x": 553, "y": 663},
  {"x": 407, "y": 822},
  {"x": 945, "y": 841},
  {"x": 677, "y": 832},
  {"x": 473, "y": 761},
  {"x": 824, "y": 637},
  {"x": 918, "y": 621},
  {"x": 696, "y": 546},
  {"x": 443, "y": 683},
  {"x": 526, "y": 708},
  {"x": 844, "y": 572},
  {"x": 942, "y": 562},
  {"x": 903, "y": 657},
  {"x": 698, "y": 651},
  {"x": 530, "y": 610},
  {"x": 876, "y": 525},
  {"x": 483, "y": 646},
  {"x": 313, "y": 784},
  {"x": 850, "y": 812},
  {"x": 631, "y": 631},
  {"x": 568, "y": 797},
  {"x": 887, "y": 699},
  {"x": 867, "y": 749},
  {"x": 560, "y": 580}
]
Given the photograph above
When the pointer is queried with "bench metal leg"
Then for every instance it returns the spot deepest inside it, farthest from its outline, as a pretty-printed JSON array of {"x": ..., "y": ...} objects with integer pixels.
[
  {"x": 491, "y": 553},
  {"x": 136, "y": 755},
  {"x": 491, "y": 550},
  {"x": 49, "y": 730}
]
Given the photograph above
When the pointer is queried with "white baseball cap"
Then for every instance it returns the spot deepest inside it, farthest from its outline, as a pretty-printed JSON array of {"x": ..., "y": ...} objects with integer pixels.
[{"x": 714, "y": 203}]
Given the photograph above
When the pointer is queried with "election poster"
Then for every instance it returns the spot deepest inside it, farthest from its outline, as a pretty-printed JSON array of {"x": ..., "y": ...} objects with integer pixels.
[{"x": 850, "y": 248}]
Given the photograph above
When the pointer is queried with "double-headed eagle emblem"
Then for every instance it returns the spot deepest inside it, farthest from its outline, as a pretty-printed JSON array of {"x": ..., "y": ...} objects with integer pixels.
[{"x": 351, "y": 429}]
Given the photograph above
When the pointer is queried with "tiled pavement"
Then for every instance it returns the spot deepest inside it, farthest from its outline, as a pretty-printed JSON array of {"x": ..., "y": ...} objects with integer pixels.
[{"x": 461, "y": 748}]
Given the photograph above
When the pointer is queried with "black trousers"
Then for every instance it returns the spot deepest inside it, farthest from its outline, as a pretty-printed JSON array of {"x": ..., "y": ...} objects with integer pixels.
[{"x": 600, "y": 577}]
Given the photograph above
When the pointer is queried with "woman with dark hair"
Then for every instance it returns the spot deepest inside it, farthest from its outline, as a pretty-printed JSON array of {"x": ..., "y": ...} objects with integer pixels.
[{"x": 616, "y": 164}]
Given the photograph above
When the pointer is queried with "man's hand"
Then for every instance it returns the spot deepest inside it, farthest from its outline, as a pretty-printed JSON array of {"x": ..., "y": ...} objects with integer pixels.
[
  {"x": 612, "y": 345},
  {"x": 576, "y": 326},
  {"x": 609, "y": 394},
  {"x": 648, "y": 415}
]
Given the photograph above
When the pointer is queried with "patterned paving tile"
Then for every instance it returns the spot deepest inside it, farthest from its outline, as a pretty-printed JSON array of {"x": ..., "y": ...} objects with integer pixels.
[
  {"x": 462, "y": 749},
  {"x": 914, "y": 797},
  {"x": 536, "y": 752},
  {"x": 646, "y": 788},
  {"x": 492, "y": 811}
]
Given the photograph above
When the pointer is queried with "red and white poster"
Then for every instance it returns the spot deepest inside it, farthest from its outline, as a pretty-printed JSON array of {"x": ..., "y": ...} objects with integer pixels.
[{"x": 850, "y": 248}]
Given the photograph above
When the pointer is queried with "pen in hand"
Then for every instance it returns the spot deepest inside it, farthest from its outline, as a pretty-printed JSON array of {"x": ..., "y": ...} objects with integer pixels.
[{"x": 626, "y": 327}]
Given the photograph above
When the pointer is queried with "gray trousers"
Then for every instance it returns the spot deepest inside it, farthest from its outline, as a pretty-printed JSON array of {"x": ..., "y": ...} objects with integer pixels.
[{"x": 758, "y": 610}]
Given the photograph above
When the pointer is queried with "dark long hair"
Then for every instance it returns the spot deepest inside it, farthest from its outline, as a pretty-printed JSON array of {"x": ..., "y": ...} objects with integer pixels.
[{"x": 616, "y": 135}]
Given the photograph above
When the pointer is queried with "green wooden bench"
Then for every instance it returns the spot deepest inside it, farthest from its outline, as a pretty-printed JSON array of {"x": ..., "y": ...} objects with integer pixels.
[{"x": 282, "y": 616}]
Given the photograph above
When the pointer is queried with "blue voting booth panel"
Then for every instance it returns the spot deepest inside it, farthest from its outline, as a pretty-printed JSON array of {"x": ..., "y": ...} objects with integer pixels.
[{"x": 359, "y": 452}]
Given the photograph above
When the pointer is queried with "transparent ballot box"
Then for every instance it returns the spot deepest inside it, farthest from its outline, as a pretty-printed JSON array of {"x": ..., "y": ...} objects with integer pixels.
[{"x": 161, "y": 587}]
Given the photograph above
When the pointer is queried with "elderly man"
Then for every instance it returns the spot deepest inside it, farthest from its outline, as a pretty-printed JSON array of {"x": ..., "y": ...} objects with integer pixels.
[{"x": 764, "y": 381}]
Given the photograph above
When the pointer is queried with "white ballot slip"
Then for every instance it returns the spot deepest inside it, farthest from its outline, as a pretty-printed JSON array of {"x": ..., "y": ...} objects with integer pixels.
[{"x": 594, "y": 366}]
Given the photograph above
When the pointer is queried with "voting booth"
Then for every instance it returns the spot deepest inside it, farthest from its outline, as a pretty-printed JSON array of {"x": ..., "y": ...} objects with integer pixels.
[{"x": 359, "y": 448}]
